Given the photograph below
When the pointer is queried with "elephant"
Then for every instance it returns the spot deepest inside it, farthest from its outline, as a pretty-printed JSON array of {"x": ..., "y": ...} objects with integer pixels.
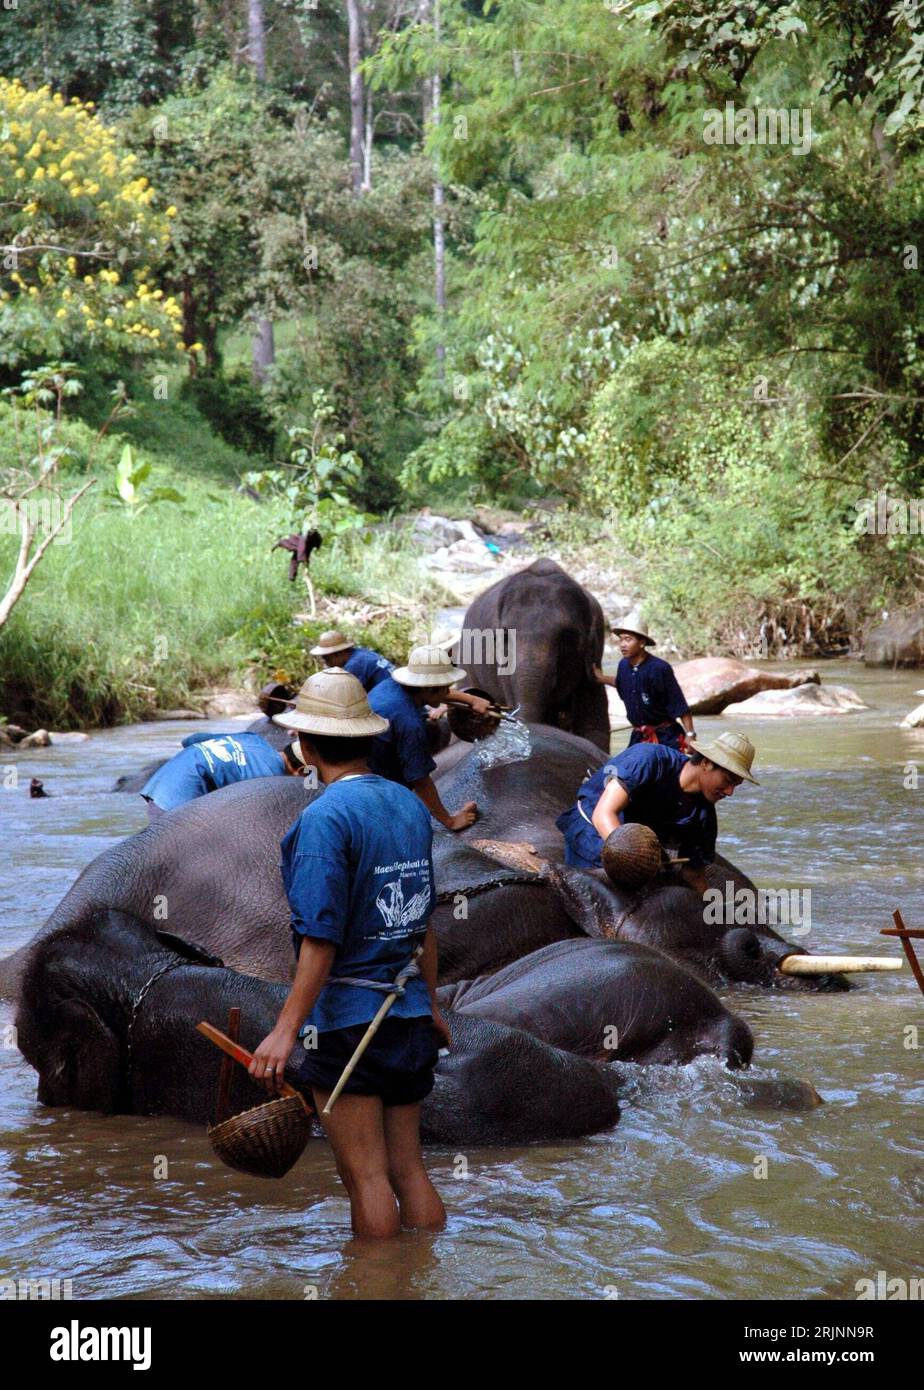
[
  {"x": 608, "y": 1000},
  {"x": 210, "y": 869},
  {"x": 558, "y": 630},
  {"x": 107, "y": 1018},
  {"x": 518, "y": 801}
]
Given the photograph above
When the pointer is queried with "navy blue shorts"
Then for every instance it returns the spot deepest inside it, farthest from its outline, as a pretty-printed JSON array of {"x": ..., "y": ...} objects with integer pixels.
[{"x": 397, "y": 1066}]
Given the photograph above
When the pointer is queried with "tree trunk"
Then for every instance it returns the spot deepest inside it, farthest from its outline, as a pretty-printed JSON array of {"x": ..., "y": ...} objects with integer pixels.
[
  {"x": 256, "y": 39},
  {"x": 439, "y": 229},
  {"x": 357, "y": 94},
  {"x": 263, "y": 345},
  {"x": 263, "y": 350}
]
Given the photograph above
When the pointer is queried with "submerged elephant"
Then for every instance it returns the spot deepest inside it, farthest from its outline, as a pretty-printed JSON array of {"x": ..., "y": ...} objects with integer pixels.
[
  {"x": 608, "y": 1000},
  {"x": 533, "y": 640},
  {"x": 107, "y": 1018},
  {"x": 209, "y": 870}
]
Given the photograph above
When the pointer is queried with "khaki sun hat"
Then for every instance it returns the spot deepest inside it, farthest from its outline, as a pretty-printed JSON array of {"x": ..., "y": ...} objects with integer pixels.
[
  {"x": 633, "y": 623},
  {"x": 733, "y": 752},
  {"x": 332, "y": 702},
  {"x": 428, "y": 666},
  {"x": 330, "y": 642}
]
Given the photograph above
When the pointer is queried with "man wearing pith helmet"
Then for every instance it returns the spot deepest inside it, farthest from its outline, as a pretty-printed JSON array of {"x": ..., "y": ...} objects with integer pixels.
[
  {"x": 358, "y": 873},
  {"x": 655, "y": 705},
  {"x": 673, "y": 793},
  {"x": 367, "y": 666},
  {"x": 402, "y": 752}
]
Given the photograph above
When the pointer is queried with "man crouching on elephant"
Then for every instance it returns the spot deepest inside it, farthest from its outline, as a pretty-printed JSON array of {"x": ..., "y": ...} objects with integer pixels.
[
  {"x": 655, "y": 785},
  {"x": 358, "y": 872}
]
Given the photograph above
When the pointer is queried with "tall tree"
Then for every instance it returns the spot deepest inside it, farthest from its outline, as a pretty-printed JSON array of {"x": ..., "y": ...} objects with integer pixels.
[
  {"x": 263, "y": 343},
  {"x": 357, "y": 93}
]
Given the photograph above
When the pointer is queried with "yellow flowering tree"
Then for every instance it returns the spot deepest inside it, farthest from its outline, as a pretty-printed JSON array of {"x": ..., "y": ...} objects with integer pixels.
[{"x": 80, "y": 230}]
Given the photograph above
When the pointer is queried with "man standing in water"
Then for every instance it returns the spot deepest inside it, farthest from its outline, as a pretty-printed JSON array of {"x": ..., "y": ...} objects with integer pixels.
[
  {"x": 358, "y": 872},
  {"x": 655, "y": 705},
  {"x": 672, "y": 793}
]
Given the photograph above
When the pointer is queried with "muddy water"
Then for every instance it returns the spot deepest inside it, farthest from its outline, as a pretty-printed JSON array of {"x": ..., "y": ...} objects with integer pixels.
[{"x": 667, "y": 1204}]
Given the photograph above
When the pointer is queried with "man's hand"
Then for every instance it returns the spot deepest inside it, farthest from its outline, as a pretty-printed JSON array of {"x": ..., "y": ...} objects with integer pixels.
[
  {"x": 600, "y": 676},
  {"x": 441, "y": 1027},
  {"x": 269, "y": 1060},
  {"x": 437, "y": 712},
  {"x": 484, "y": 707},
  {"x": 464, "y": 818}
]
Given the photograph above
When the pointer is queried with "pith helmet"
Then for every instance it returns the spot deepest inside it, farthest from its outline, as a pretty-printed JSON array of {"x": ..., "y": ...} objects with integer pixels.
[
  {"x": 634, "y": 623},
  {"x": 428, "y": 666},
  {"x": 733, "y": 752},
  {"x": 332, "y": 702},
  {"x": 330, "y": 642}
]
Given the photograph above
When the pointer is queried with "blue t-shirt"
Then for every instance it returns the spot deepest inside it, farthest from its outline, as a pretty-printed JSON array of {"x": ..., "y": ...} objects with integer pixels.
[
  {"x": 357, "y": 867},
  {"x": 649, "y": 691},
  {"x": 650, "y": 773},
  {"x": 368, "y": 667},
  {"x": 402, "y": 753},
  {"x": 208, "y": 762}
]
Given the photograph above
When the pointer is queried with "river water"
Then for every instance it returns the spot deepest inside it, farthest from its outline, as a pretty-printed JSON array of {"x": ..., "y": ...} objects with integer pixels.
[{"x": 669, "y": 1204}]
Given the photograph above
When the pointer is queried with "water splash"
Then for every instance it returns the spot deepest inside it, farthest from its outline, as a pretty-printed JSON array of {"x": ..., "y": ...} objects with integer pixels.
[{"x": 510, "y": 743}]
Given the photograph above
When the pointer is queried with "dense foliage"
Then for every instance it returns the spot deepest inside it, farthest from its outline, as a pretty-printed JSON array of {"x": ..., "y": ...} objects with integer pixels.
[{"x": 660, "y": 258}]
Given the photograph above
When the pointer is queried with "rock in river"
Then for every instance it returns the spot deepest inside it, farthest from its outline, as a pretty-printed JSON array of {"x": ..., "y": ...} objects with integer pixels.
[
  {"x": 899, "y": 641},
  {"x": 810, "y": 700},
  {"x": 712, "y": 682}
]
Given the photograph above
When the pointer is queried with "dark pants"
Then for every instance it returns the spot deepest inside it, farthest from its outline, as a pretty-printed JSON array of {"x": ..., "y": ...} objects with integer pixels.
[{"x": 582, "y": 843}]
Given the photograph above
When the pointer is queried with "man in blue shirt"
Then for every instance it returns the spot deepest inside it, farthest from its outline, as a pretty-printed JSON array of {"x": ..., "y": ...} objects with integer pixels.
[
  {"x": 367, "y": 666},
  {"x": 358, "y": 872},
  {"x": 649, "y": 690},
  {"x": 675, "y": 795},
  {"x": 209, "y": 761},
  {"x": 402, "y": 753}
]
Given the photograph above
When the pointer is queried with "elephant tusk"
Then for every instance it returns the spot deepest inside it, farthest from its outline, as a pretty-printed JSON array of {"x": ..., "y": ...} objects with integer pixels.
[{"x": 836, "y": 965}]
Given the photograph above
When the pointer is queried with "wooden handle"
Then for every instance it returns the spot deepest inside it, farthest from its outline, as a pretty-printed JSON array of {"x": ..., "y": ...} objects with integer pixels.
[
  {"x": 240, "y": 1054},
  {"x": 227, "y": 1068}
]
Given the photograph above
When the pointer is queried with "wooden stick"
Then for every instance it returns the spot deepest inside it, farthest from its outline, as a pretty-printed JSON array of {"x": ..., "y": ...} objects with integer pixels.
[
  {"x": 227, "y": 1068},
  {"x": 905, "y": 934},
  {"x": 240, "y": 1054}
]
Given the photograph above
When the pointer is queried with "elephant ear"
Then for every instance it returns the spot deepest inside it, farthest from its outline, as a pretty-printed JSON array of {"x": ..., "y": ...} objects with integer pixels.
[
  {"x": 82, "y": 1062},
  {"x": 588, "y": 902},
  {"x": 187, "y": 949}
]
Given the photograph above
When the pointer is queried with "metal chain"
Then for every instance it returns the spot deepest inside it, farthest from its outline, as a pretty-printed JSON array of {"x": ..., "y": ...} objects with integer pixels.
[
  {"x": 136, "y": 1006},
  {"x": 448, "y": 895}
]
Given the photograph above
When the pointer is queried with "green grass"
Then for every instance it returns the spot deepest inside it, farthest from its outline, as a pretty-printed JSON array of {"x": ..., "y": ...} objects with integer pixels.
[{"x": 137, "y": 612}]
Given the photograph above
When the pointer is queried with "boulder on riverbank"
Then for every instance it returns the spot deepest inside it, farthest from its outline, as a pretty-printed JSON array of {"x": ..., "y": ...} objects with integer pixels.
[
  {"x": 712, "y": 683},
  {"x": 899, "y": 641},
  {"x": 804, "y": 700}
]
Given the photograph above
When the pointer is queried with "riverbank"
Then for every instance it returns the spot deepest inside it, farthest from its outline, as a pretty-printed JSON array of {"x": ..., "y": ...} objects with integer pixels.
[{"x": 150, "y": 605}]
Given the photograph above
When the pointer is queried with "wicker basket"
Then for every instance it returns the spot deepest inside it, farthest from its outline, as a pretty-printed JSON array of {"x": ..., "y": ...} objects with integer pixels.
[
  {"x": 632, "y": 855},
  {"x": 466, "y": 724},
  {"x": 265, "y": 1141}
]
